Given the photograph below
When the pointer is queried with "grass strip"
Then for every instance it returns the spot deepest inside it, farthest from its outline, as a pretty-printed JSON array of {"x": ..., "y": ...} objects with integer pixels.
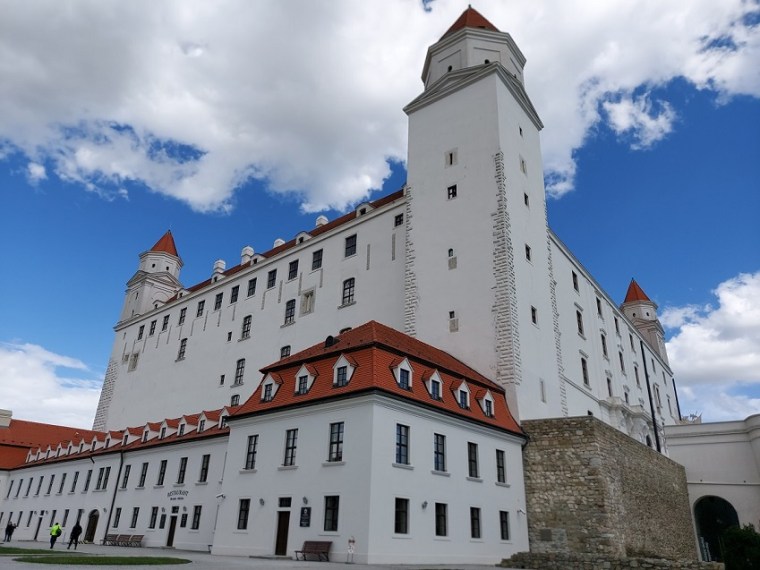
[
  {"x": 13, "y": 550},
  {"x": 85, "y": 560}
]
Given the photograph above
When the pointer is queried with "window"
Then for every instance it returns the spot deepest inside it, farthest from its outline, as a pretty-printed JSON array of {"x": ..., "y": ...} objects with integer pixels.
[
  {"x": 291, "y": 439},
  {"x": 267, "y": 397},
  {"x": 201, "y": 425},
  {"x": 584, "y": 371},
  {"x": 106, "y": 474},
  {"x": 271, "y": 278},
  {"x": 161, "y": 472},
  {"x": 165, "y": 323},
  {"x": 86, "y": 481},
  {"x": 526, "y": 199},
  {"x": 472, "y": 459},
  {"x": 183, "y": 520},
  {"x": 633, "y": 346},
  {"x": 636, "y": 374},
  {"x": 251, "y": 287},
  {"x": 341, "y": 376},
  {"x": 402, "y": 444},
  {"x": 348, "y": 291},
  {"x": 331, "y": 513},
  {"x": 293, "y": 270},
  {"x": 285, "y": 351},
  {"x": 140, "y": 332},
  {"x": 435, "y": 389},
  {"x": 74, "y": 482},
  {"x": 350, "y": 248},
  {"x": 163, "y": 433},
  {"x": 575, "y": 281},
  {"x": 303, "y": 384},
  {"x": 133, "y": 361},
  {"x": 474, "y": 522},
  {"x": 218, "y": 301},
  {"x": 235, "y": 400},
  {"x": 604, "y": 346},
  {"x": 609, "y": 387},
  {"x": 250, "y": 452},
  {"x": 52, "y": 479},
  {"x": 205, "y": 460},
  {"x": 579, "y": 320},
  {"x": 598, "y": 307},
  {"x": 534, "y": 315},
  {"x": 307, "y": 302},
  {"x": 234, "y": 294},
  {"x": 182, "y": 315},
  {"x": 504, "y": 524},
  {"x": 622, "y": 362},
  {"x": 239, "y": 371},
  {"x": 488, "y": 408},
  {"x": 336, "y": 442},
  {"x": 245, "y": 331},
  {"x": 398, "y": 220},
  {"x": 439, "y": 452},
  {"x": 125, "y": 477},
  {"x": 523, "y": 166},
  {"x": 316, "y": 259},
  {"x": 135, "y": 514},
  {"x": 152, "y": 330},
  {"x": 401, "y": 518},
  {"x": 195, "y": 525},
  {"x": 290, "y": 311},
  {"x": 403, "y": 378},
  {"x": 117, "y": 516},
  {"x": 528, "y": 252},
  {"x": 451, "y": 192},
  {"x": 153, "y": 517},
  {"x": 501, "y": 469},
  {"x": 464, "y": 399},
  {"x": 63, "y": 482},
  {"x": 199, "y": 310},
  {"x": 617, "y": 326},
  {"x": 441, "y": 516},
  {"x": 39, "y": 485},
  {"x": 182, "y": 349},
  {"x": 243, "y": 510},
  {"x": 182, "y": 470},
  {"x": 143, "y": 475}
]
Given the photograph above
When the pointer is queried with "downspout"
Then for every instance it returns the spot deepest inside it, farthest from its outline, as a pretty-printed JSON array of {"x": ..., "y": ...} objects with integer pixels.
[
  {"x": 678, "y": 404},
  {"x": 113, "y": 497},
  {"x": 651, "y": 400}
]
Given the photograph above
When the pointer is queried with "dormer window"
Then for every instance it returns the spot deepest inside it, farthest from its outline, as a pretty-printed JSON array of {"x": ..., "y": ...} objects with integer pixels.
[
  {"x": 201, "y": 425},
  {"x": 145, "y": 436},
  {"x": 303, "y": 383},
  {"x": 125, "y": 440},
  {"x": 464, "y": 399},
  {"x": 403, "y": 374},
  {"x": 267, "y": 397},
  {"x": 223, "y": 422},
  {"x": 163, "y": 433},
  {"x": 181, "y": 429},
  {"x": 108, "y": 442},
  {"x": 403, "y": 378},
  {"x": 343, "y": 369},
  {"x": 92, "y": 446},
  {"x": 305, "y": 378},
  {"x": 433, "y": 384}
]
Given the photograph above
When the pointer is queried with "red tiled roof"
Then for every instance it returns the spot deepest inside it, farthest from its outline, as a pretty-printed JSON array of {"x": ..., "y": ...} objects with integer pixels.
[
  {"x": 375, "y": 348},
  {"x": 635, "y": 293},
  {"x": 21, "y": 436},
  {"x": 166, "y": 244},
  {"x": 470, "y": 18}
]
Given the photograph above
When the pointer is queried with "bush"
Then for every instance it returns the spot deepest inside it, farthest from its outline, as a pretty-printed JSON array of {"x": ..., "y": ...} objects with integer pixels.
[{"x": 741, "y": 548}]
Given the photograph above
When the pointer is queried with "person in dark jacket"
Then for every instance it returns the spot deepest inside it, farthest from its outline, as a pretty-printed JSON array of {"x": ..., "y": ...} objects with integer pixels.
[
  {"x": 9, "y": 531},
  {"x": 74, "y": 537}
]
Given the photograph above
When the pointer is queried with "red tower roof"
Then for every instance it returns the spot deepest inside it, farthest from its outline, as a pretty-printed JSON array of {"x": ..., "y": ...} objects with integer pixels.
[
  {"x": 470, "y": 18},
  {"x": 635, "y": 293},
  {"x": 166, "y": 244}
]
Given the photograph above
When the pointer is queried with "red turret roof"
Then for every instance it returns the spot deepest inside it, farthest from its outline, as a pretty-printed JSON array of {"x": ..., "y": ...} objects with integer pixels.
[
  {"x": 635, "y": 293},
  {"x": 470, "y": 18},
  {"x": 166, "y": 244}
]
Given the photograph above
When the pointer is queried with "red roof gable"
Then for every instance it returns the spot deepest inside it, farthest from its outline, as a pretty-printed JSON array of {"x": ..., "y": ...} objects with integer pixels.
[
  {"x": 635, "y": 293},
  {"x": 166, "y": 244},
  {"x": 21, "y": 435},
  {"x": 470, "y": 18}
]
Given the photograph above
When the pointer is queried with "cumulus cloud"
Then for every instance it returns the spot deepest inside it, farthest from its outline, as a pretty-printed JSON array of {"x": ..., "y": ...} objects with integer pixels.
[
  {"x": 193, "y": 100},
  {"x": 35, "y": 172},
  {"x": 43, "y": 386},
  {"x": 715, "y": 350}
]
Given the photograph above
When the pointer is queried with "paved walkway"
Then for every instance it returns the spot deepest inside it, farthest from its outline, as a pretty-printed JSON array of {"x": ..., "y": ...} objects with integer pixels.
[{"x": 204, "y": 561}]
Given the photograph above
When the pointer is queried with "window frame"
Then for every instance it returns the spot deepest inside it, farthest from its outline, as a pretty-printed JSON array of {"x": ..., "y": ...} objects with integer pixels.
[
  {"x": 335, "y": 449},
  {"x": 439, "y": 452},
  {"x": 350, "y": 246},
  {"x": 402, "y": 444}
]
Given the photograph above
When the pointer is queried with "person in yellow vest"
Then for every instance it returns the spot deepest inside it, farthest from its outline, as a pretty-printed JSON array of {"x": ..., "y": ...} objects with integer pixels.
[{"x": 55, "y": 532}]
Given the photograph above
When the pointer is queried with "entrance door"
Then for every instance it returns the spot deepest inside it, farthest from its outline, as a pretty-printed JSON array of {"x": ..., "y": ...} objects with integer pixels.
[
  {"x": 283, "y": 522},
  {"x": 172, "y": 528},
  {"x": 92, "y": 526}
]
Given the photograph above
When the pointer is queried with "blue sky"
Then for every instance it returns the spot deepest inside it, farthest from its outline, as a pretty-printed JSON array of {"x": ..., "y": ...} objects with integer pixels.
[{"x": 181, "y": 117}]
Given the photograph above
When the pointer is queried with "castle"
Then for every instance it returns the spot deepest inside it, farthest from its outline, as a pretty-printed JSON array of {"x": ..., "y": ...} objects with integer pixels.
[{"x": 394, "y": 348}]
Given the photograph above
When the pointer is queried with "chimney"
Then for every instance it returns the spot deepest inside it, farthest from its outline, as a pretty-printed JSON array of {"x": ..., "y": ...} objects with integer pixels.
[
  {"x": 321, "y": 221},
  {"x": 5, "y": 418},
  {"x": 219, "y": 267},
  {"x": 246, "y": 255},
  {"x": 278, "y": 242}
]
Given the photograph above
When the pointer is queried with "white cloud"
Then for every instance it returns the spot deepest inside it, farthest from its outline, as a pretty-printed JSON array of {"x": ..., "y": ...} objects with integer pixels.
[
  {"x": 193, "y": 99},
  {"x": 34, "y": 385},
  {"x": 715, "y": 351},
  {"x": 35, "y": 172}
]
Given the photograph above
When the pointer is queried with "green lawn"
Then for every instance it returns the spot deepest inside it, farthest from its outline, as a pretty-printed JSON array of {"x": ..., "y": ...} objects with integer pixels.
[
  {"x": 86, "y": 560},
  {"x": 13, "y": 550}
]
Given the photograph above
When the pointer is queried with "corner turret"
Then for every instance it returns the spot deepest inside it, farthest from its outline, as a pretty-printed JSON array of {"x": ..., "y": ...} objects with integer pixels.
[{"x": 642, "y": 312}]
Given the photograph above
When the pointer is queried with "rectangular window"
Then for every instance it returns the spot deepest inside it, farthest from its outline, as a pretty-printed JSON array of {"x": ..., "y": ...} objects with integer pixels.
[
  {"x": 451, "y": 192},
  {"x": 87, "y": 481},
  {"x": 290, "y": 311},
  {"x": 39, "y": 485},
  {"x": 152, "y": 330},
  {"x": 341, "y": 376},
  {"x": 584, "y": 371},
  {"x": 135, "y": 514},
  {"x": 291, "y": 439},
  {"x": 74, "y": 482},
  {"x": 401, "y": 518},
  {"x": 205, "y": 460},
  {"x": 622, "y": 362},
  {"x": 271, "y": 278},
  {"x": 199, "y": 310},
  {"x": 234, "y": 294},
  {"x": 472, "y": 459},
  {"x": 182, "y": 349},
  {"x": 402, "y": 444},
  {"x": 316, "y": 260},
  {"x": 528, "y": 252},
  {"x": 504, "y": 524},
  {"x": 52, "y": 479},
  {"x": 604, "y": 346},
  {"x": 336, "y": 442},
  {"x": 293, "y": 270},
  {"x": 161, "y": 472},
  {"x": 636, "y": 374},
  {"x": 196, "y": 524},
  {"x": 165, "y": 323},
  {"x": 245, "y": 331},
  {"x": 403, "y": 378},
  {"x": 218, "y": 301},
  {"x": 435, "y": 389},
  {"x": 251, "y": 287},
  {"x": 575, "y": 281},
  {"x": 303, "y": 384},
  {"x": 474, "y": 522},
  {"x": 140, "y": 332},
  {"x": 182, "y": 470},
  {"x": 143, "y": 475},
  {"x": 350, "y": 248},
  {"x": 439, "y": 452},
  {"x": 598, "y": 306},
  {"x": 250, "y": 452},
  {"x": 243, "y": 510},
  {"x": 617, "y": 326},
  {"x": 609, "y": 387},
  {"x": 183, "y": 520},
  {"x": 441, "y": 519},
  {"x": 117, "y": 516},
  {"x": 633, "y": 346},
  {"x": 267, "y": 397},
  {"x": 534, "y": 315},
  {"x": 153, "y": 517},
  {"x": 239, "y": 371},
  {"x": 579, "y": 321},
  {"x": 125, "y": 477},
  {"x": 285, "y": 351},
  {"x": 398, "y": 220},
  {"x": 182, "y": 315},
  {"x": 331, "y": 513},
  {"x": 65, "y": 518},
  {"x": 488, "y": 404},
  {"x": 348, "y": 291},
  {"x": 464, "y": 399},
  {"x": 501, "y": 468}
]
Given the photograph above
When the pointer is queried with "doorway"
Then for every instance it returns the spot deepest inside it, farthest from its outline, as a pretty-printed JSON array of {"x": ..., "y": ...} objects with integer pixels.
[
  {"x": 172, "y": 528},
  {"x": 283, "y": 523},
  {"x": 713, "y": 515},
  {"x": 92, "y": 526}
]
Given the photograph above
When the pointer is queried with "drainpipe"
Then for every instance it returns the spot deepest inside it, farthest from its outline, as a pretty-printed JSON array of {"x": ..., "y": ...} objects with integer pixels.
[
  {"x": 113, "y": 497},
  {"x": 678, "y": 404},
  {"x": 651, "y": 400}
]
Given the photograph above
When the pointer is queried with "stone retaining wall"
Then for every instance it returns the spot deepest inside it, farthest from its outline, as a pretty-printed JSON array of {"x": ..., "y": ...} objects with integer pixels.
[{"x": 567, "y": 561}]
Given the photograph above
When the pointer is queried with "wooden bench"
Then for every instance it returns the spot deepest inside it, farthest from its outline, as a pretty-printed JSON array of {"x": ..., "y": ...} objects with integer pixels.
[
  {"x": 110, "y": 540},
  {"x": 135, "y": 540},
  {"x": 122, "y": 539},
  {"x": 319, "y": 548}
]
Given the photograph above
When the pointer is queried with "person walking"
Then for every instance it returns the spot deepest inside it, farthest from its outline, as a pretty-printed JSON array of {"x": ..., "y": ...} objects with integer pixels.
[
  {"x": 75, "y": 532},
  {"x": 55, "y": 532},
  {"x": 9, "y": 531}
]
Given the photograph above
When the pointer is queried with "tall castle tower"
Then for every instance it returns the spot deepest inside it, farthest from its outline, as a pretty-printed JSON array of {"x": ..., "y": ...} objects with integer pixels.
[
  {"x": 642, "y": 312},
  {"x": 477, "y": 241}
]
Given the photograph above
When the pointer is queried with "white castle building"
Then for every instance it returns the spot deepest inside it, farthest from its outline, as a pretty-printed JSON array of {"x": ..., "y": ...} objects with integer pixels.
[{"x": 451, "y": 312}]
